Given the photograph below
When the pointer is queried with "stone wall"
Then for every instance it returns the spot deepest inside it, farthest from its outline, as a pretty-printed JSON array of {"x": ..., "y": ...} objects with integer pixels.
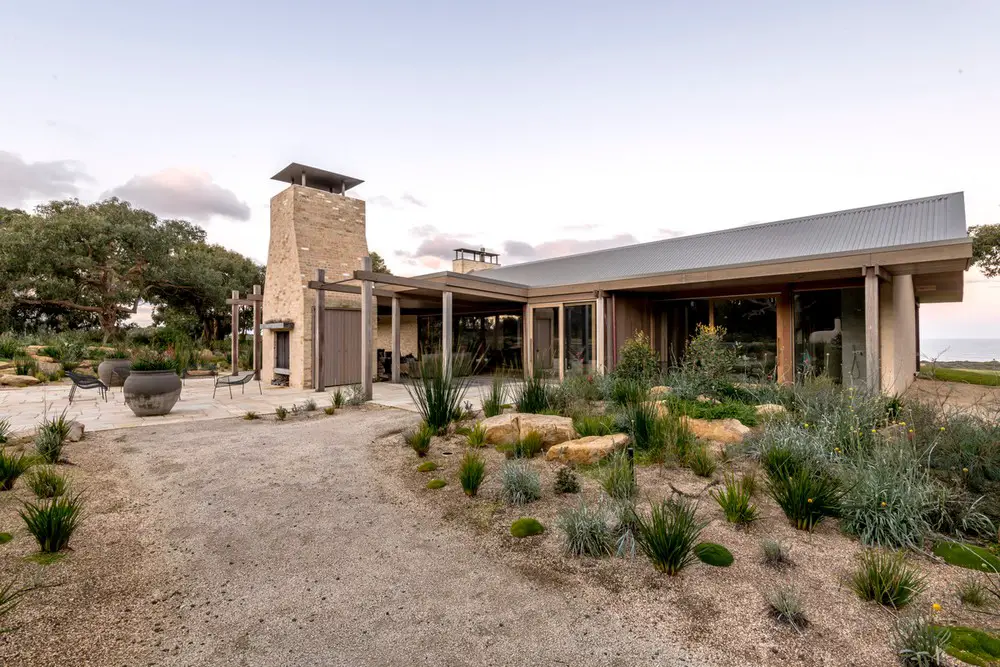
[
  {"x": 468, "y": 265},
  {"x": 407, "y": 334}
]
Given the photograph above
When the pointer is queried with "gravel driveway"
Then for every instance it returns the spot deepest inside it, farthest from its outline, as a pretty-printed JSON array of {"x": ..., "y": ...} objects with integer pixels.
[{"x": 284, "y": 545}]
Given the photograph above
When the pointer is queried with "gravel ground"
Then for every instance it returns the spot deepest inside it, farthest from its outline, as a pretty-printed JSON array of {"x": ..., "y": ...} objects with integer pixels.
[{"x": 257, "y": 543}]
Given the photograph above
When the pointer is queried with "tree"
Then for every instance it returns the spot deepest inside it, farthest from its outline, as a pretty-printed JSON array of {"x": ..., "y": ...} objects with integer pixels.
[
  {"x": 378, "y": 264},
  {"x": 986, "y": 249},
  {"x": 97, "y": 260}
]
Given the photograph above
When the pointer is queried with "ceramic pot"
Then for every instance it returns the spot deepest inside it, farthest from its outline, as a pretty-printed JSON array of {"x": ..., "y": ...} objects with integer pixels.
[
  {"x": 114, "y": 371},
  {"x": 150, "y": 393}
]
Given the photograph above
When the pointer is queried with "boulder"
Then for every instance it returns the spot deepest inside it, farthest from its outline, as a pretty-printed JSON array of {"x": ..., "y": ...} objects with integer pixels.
[
  {"x": 75, "y": 432},
  {"x": 553, "y": 428},
  {"x": 502, "y": 429},
  {"x": 702, "y": 398},
  {"x": 726, "y": 431},
  {"x": 18, "y": 380},
  {"x": 42, "y": 359},
  {"x": 768, "y": 410},
  {"x": 33, "y": 349},
  {"x": 660, "y": 392},
  {"x": 6, "y": 367},
  {"x": 590, "y": 449}
]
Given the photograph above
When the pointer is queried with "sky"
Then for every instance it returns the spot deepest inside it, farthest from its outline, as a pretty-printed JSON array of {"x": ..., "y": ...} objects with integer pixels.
[{"x": 533, "y": 129}]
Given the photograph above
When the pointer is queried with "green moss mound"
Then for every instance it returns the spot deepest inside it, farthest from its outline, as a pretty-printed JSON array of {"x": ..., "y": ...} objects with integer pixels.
[
  {"x": 526, "y": 527},
  {"x": 427, "y": 466},
  {"x": 974, "y": 647},
  {"x": 436, "y": 484},
  {"x": 968, "y": 556},
  {"x": 5, "y": 538},
  {"x": 713, "y": 554}
]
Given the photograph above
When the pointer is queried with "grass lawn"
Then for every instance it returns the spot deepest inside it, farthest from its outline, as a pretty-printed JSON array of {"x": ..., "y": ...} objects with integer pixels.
[{"x": 991, "y": 378}]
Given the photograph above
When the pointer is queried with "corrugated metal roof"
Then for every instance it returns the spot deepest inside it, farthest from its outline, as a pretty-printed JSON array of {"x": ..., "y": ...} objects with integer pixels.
[{"x": 916, "y": 221}]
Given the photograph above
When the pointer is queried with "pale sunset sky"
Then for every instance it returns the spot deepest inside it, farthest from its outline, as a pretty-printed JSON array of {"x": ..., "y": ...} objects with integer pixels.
[{"x": 534, "y": 129}]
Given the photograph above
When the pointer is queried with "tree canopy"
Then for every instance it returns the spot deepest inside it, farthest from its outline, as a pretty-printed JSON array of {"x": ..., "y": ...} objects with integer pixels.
[
  {"x": 986, "y": 249},
  {"x": 378, "y": 264}
]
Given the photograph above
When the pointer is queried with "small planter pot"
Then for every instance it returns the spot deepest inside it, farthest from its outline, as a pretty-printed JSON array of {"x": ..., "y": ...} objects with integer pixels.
[
  {"x": 151, "y": 393},
  {"x": 114, "y": 371}
]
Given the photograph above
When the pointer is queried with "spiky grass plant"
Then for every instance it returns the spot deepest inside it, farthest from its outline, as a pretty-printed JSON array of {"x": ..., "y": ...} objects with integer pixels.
[
  {"x": 52, "y": 522},
  {"x": 45, "y": 482},
  {"x": 471, "y": 472},
  {"x": 972, "y": 592},
  {"x": 496, "y": 397},
  {"x": 774, "y": 553},
  {"x": 920, "y": 642},
  {"x": 806, "y": 497},
  {"x": 438, "y": 392},
  {"x": 476, "y": 437},
  {"x": 519, "y": 484},
  {"x": 624, "y": 391},
  {"x": 624, "y": 529},
  {"x": 250, "y": 415},
  {"x": 618, "y": 477},
  {"x": 12, "y": 466},
  {"x": 10, "y": 596},
  {"x": 585, "y": 530},
  {"x": 532, "y": 395},
  {"x": 526, "y": 447},
  {"x": 587, "y": 425},
  {"x": 309, "y": 405},
  {"x": 669, "y": 535},
  {"x": 644, "y": 426},
  {"x": 280, "y": 413},
  {"x": 338, "y": 399},
  {"x": 419, "y": 438},
  {"x": 735, "y": 500},
  {"x": 701, "y": 461},
  {"x": 886, "y": 578},
  {"x": 785, "y": 605},
  {"x": 51, "y": 436},
  {"x": 5, "y": 429}
]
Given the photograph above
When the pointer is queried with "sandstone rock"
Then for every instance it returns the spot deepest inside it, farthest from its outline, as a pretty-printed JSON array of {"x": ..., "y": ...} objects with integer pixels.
[
  {"x": 75, "y": 432},
  {"x": 33, "y": 349},
  {"x": 553, "y": 428},
  {"x": 502, "y": 429},
  {"x": 766, "y": 410},
  {"x": 18, "y": 380},
  {"x": 702, "y": 398},
  {"x": 726, "y": 431},
  {"x": 590, "y": 449},
  {"x": 7, "y": 367},
  {"x": 660, "y": 392}
]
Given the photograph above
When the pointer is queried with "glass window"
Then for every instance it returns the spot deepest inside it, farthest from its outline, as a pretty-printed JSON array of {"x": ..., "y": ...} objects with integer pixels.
[
  {"x": 545, "y": 351},
  {"x": 751, "y": 326},
  {"x": 580, "y": 334},
  {"x": 830, "y": 334}
]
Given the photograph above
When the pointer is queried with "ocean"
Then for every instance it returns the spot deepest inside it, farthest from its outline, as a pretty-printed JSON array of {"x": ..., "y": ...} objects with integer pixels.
[{"x": 960, "y": 349}]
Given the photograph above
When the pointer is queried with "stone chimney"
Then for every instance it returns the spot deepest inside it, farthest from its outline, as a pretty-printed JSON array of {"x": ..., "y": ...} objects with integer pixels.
[{"x": 467, "y": 259}]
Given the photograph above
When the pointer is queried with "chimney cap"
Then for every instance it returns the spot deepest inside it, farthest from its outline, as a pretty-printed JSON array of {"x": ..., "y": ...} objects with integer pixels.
[{"x": 312, "y": 177}]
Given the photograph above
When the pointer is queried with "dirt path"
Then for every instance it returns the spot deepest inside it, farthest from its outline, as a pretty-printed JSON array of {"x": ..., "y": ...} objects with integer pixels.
[{"x": 278, "y": 544}]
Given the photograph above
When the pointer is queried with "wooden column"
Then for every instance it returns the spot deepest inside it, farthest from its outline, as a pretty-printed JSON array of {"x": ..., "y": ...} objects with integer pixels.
[
  {"x": 446, "y": 342},
  {"x": 396, "y": 352},
  {"x": 526, "y": 340},
  {"x": 601, "y": 328},
  {"x": 319, "y": 342},
  {"x": 562, "y": 342},
  {"x": 873, "y": 368},
  {"x": 258, "y": 343},
  {"x": 235, "y": 351},
  {"x": 366, "y": 330},
  {"x": 786, "y": 336}
]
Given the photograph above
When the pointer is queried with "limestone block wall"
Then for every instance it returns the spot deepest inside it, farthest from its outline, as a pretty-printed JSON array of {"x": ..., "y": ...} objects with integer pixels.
[
  {"x": 407, "y": 334},
  {"x": 467, "y": 265},
  {"x": 897, "y": 333}
]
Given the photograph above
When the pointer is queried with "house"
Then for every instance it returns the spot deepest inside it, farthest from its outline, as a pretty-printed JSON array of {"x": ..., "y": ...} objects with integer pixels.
[{"x": 835, "y": 294}]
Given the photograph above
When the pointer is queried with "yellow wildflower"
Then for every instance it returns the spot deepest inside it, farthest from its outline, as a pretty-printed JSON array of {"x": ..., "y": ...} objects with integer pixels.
[
  {"x": 936, "y": 607},
  {"x": 965, "y": 470},
  {"x": 942, "y": 428},
  {"x": 809, "y": 500},
  {"x": 883, "y": 503}
]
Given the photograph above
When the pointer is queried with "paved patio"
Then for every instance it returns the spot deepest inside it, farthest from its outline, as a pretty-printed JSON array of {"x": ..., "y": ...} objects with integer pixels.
[{"x": 26, "y": 407}]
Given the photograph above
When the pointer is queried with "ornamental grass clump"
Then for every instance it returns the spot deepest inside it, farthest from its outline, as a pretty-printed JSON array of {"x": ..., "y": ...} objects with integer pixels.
[
  {"x": 526, "y": 447},
  {"x": 585, "y": 530},
  {"x": 45, "y": 482},
  {"x": 280, "y": 413},
  {"x": 532, "y": 395},
  {"x": 920, "y": 642},
  {"x": 618, "y": 477},
  {"x": 5, "y": 429},
  {"x": 588, "y": 425},
  {"x": 785, "y": 605},
  {"x": 12, "y": 466},
  {"x": 51, "y": 436},
  {"x": 419, "y": 438},
  {"x": 496, "y": 397},
  {"x": 52, "y": 522},
  {"x": 971, "y": 592},
  {"x": 701, "y": 461},
  {"x": 774, "y": 554},
  {"x": 438, "y": 392},
  {"x": 886, "y": 578},
  {"x": 476, "y": 436},
  {"x": 806, "y": 497},
  {"x": 669, "y": 535},
  {"x": 735, "y": 500},
  {"x": 471, "y": 472},
  {"x": 519, "y": 484}
]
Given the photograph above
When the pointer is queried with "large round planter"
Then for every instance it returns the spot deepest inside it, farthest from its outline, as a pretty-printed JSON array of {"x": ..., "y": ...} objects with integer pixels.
[
  {"x": 150, "y": 393},
  {"x": 114, "y": 371}
]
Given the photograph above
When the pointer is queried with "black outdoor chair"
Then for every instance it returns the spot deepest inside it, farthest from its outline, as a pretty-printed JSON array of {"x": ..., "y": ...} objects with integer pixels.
[
  {"x": 232, "y": 380},
  {"x": 86, "y": 382}
]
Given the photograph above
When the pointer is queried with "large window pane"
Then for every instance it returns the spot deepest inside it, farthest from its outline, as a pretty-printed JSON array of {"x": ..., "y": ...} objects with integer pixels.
[
  {"x": 546, "y": 341},
  {"x": 580, "y": 336},
  {"x": 751, "y": 326},
  {"x": 830, "y": 335}
]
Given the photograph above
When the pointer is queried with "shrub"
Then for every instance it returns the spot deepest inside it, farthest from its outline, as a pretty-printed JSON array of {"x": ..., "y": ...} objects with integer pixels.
[
  {"x": 774, "y": 553},
  {"x": 438, "y": 392},
  {"x": 476, "y": 436},
  {"x": 806, "y": 496},
  {"x": 709, "y": 358},
  {"x": 330, "y": 410},
  {"x": 785, "y": 605},
  {"x": 637, "y": 360},
  {"x": 532, "y": 395},
  {"x": 576, "y": 392},
  {"x": 338, "y": 398},
  {"x": 471, "y": 472},
  {"x": 746, "y": 414},
  {"x": 734, "y": 499},
  {"x": 5, "y": 430},
  {"x": 250, "y": 415},
  {"x": 427, "y": 466},
  {"x": 419, "y": 438},
  {"x": 920, "y": 643},
  {"x": 701, "y": 461},
  {"x": 436, "y": 484},
  {"x": 587, "y": 425},
  {"x": 624, "y": 391},
  {"x": 713, "y": 554},
  {"x": 618, "y": 477},
  {"x": 46, "y": 483},
  {"x": 280, "y": 413},
  {"x": 52, "y": 522},
  {"x": 526, "y": 527},
  {"x": 496, "y": 397},
  {"x": 669, "y": 536},
  {"x": 356, "y": 395},
  {"x": 585, "y": 530},
  {"x": 886, "y": 578},
  {"x": 10, "y": 346},
  {"x": 309, "y": 405},
  {"x": 25, "y": 364},
  {"x": 148, "y": 360},
  {"x": 566, "y": 481},
  {"x": 12, "y": 466},
  {"x": 972, "y": 593},
  {"x": 519, "y": 484}
]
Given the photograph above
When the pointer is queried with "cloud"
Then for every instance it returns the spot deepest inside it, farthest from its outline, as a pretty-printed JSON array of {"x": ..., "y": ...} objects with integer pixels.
[
  {"x": 519, "y": 251},
  {"x": 434, "y": 250},
  {"x": 21, "y": 180},
  {"x": 411, "y": 199},
  {"x": 182, "y": 193},
  {"x": 665, "y": 233},
  {"x": 405, "y": 200}
]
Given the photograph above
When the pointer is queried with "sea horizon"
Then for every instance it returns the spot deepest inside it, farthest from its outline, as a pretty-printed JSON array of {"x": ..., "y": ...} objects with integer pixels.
[{"x": 960, "y": 349}]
